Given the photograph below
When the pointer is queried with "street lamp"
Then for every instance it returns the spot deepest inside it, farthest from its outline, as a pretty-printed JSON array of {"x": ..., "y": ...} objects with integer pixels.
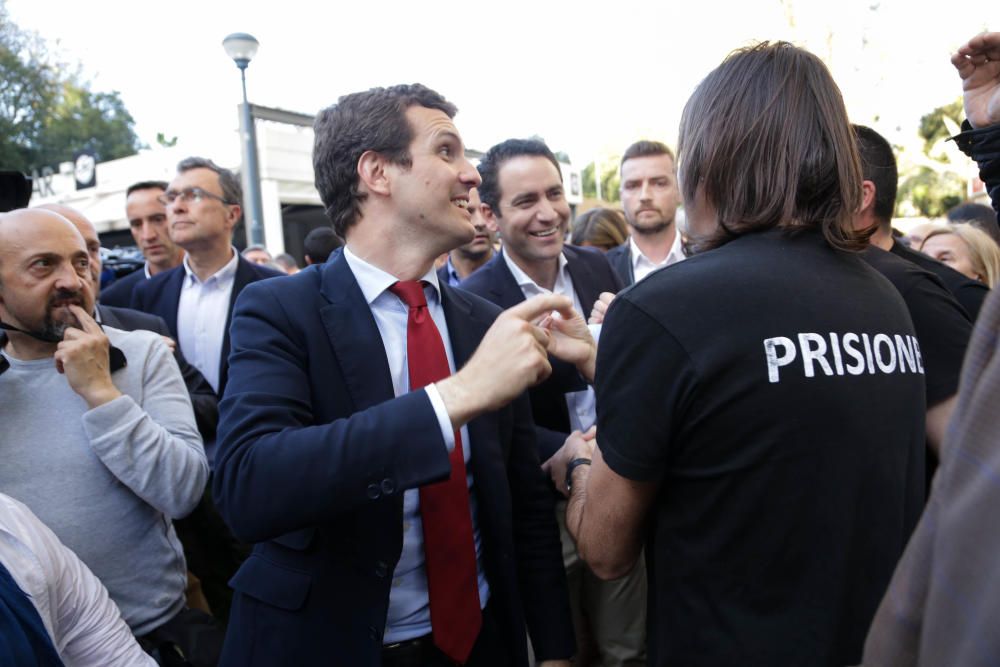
[{"x": 242, "y": 47}]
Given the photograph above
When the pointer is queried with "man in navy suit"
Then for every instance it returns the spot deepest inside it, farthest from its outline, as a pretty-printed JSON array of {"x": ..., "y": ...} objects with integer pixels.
[
  {"x": 204, "y": 204},
  {"x": 331, "y": 447},
  {"x": 649, "y": 199},
  {"x": 523, "y": 197},
  {"x": 147, "y": 219}
]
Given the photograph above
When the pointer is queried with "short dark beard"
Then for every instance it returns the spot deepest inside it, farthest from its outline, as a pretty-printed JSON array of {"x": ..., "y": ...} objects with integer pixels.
[
  {"x": 54, "y": 330},
  {"x": 650, "y": 230}
]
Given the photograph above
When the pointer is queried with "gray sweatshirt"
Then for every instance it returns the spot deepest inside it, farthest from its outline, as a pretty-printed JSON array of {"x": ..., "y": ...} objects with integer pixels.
[{"x": 108, "y": 481}]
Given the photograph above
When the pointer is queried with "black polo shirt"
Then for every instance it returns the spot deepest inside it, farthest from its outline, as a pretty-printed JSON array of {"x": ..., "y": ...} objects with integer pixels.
[
  {"x": 969, "y": 293},
  {"x": 774, "y": 390},
  {"x": 943, "y": 327}
]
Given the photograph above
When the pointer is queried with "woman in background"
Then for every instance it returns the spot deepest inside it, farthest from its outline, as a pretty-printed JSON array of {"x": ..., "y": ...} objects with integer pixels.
[
  {"x": 602, "y": 228},
  {"x": 968, "y": 250}
]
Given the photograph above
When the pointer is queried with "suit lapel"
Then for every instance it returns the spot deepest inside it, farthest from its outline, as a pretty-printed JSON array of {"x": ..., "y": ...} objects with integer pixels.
[
  {"x": 506, "y": 291},
  {"x": 244, "y": 276},
  {"x": 354, "y": 336},
  {"x": 108, "y": 317},
  {"x": 172, "y": 298},
  {"x": 466, "y": 330},
  {"x": 584, "y": 285}
]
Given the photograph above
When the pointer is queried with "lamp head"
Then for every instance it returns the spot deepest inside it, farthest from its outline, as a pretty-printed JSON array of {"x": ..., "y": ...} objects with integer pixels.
[{"x": 241, "y": 47}]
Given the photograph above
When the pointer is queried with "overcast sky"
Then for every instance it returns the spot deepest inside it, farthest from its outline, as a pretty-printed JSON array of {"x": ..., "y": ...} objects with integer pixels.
[{"x": 588, "y": 77}]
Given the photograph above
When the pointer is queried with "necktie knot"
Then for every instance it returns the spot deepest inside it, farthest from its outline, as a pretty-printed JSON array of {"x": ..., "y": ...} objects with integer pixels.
[{"x": 411, "y": 292}]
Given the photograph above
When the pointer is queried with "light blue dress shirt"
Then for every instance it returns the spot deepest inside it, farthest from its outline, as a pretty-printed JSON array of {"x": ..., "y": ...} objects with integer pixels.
[{"x": 409, "y": 609}]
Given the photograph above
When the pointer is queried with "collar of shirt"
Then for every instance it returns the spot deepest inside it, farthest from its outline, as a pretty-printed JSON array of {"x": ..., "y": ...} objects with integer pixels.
[
  {"x": 374, "y": 282},
  {"x": 675, "y": 255},
  {"x": 453, "y": 277},
  {"x": 222, "y": 277},
  {"x": 564, "y": 285},
  {"x": 145, "y": 268}
]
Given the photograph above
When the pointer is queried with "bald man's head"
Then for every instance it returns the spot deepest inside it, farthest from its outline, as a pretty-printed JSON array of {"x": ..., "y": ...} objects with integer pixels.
[
  {"x": 44, "y": 267},
  {"x": 89, "y": 233}
]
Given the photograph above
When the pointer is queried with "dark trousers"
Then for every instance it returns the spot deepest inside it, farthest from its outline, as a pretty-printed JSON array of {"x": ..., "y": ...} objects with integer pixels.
[{"x": 488, "y": 651}]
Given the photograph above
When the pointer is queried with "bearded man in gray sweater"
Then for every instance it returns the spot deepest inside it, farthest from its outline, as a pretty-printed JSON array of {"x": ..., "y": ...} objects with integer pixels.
[{"x": 97, "y": 434}]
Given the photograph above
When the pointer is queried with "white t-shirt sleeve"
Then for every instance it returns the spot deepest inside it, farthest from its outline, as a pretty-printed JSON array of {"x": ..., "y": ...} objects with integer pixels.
[{"x": 86, "y": 627}]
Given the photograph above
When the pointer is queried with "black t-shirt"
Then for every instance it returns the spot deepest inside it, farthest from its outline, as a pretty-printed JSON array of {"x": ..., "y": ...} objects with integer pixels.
[
  {"x": 969, "y": 293},
  {"x": 774, "y": 391},
  {"x": 942, "y": 325}
]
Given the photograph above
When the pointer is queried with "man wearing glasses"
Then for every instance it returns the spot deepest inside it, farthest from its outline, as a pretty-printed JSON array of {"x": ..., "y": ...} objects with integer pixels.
[{"x": 204, "y": 204}]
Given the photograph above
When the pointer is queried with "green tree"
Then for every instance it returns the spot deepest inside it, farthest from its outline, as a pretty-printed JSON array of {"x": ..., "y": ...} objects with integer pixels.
[
  {"x": 45, "y": 115},
  {"x": 932, "y": 183},
  {"x": 610, "y": 181},
  {"x": 932, "y": 192},
  {"x": 27, "y": 89},
  {"x": 932, "y": 126}
]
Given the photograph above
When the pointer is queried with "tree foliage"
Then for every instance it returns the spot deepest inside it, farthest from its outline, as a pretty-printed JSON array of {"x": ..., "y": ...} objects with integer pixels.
[
  {"x": 933, "y": 184},
  {"x": 610, "y": 181},
  {"x": 45, "y": 115},
  {"x": 932, "y": 128},
  {"x": 932, "y": 193}
]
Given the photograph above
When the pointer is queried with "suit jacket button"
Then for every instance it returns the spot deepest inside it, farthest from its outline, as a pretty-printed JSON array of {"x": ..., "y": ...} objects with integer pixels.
[
  {"x": 373, "y": 491},
  {"x": 381, "y": 569},
  {"x": 388, "y": 487}
]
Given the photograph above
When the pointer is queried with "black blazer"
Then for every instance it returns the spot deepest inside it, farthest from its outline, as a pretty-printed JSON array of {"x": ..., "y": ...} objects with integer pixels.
[
  {"x": 591, "y": 274},
  {"x": 314, "y": 455},
  {"x": 620, "y": 258},
  {"x": 119, "y": 293},
  {"x": 161, "y": 294},
  {"x": 203, "y": 399}
]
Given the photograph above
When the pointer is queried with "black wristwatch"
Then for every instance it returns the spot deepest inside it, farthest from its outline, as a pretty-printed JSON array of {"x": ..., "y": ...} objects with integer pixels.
[{"x": 573, "y": 465}]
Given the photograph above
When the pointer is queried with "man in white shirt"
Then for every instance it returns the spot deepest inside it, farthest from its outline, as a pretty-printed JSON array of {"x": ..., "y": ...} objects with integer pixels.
[
  {"x": 85, "y": 627},
  {"x": 204, "y": 205},
  {"x": 523, "y": 197},
  {"x": 649, "y": 198}
]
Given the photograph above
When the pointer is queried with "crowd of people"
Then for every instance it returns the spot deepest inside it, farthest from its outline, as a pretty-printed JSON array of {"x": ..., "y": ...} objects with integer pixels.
[{"x": 758, "y": 430}]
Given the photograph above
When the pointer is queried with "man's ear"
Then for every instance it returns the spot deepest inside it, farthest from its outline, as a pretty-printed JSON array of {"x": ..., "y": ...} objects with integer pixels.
[
  {"x": 868, "y": 192},
  {"x": 489, "y": 218},
  {"x": 232, "y": 217},
  {"x": 372, "y": 173}
]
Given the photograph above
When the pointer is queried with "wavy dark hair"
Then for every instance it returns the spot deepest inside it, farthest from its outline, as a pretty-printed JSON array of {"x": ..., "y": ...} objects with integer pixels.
[
  {"x": 373, "y": 120},
  {"x": 766, "y": 140},
  {"x": 496, "y": 156}
]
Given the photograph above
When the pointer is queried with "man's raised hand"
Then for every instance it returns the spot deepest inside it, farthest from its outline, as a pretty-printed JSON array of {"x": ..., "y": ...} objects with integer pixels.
[
  {"x": 978, "y": 64},
  {"x": 83, "y": 357},
  {"x": 512, "y": 356}
]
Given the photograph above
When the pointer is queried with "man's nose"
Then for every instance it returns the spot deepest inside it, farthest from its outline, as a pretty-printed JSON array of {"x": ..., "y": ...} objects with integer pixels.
[
  {"x": 470, "y": 175},
  {"x": 148, "y": 231},
  {"x": 68, "y": 279},
  {"x": 546, "y": 211}
]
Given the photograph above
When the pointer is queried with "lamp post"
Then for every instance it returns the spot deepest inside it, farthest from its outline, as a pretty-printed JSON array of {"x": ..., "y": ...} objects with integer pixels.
[{"x": 242, "y": 47}]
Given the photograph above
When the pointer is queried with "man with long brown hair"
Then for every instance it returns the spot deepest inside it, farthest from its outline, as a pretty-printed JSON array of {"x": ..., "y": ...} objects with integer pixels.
[{"x": 738, "y": 437}]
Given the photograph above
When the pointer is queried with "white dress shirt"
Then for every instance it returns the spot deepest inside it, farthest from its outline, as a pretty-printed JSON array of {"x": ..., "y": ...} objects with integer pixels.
[
  {"x": 409, "y": 610},
  {"x": 201, "y": 317},
  {"x": 85, "y": 625},
  {"x": 642, "y": 266},
  {"x": 581, "y": 404}
]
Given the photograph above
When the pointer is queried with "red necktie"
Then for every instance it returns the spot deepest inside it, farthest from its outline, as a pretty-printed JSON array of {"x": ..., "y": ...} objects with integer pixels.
[{"x": 449, "y": 547}]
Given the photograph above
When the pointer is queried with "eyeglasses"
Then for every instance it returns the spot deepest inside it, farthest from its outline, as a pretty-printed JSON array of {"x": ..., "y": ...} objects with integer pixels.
[{"x": 188, "y": 195}]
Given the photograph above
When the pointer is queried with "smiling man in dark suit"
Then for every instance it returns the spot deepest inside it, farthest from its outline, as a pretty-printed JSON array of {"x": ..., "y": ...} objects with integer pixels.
[
  {"x": 523, "y": 198},
  {"x": 204, "y": 204},
  {"x": 400, "y": 513}
]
